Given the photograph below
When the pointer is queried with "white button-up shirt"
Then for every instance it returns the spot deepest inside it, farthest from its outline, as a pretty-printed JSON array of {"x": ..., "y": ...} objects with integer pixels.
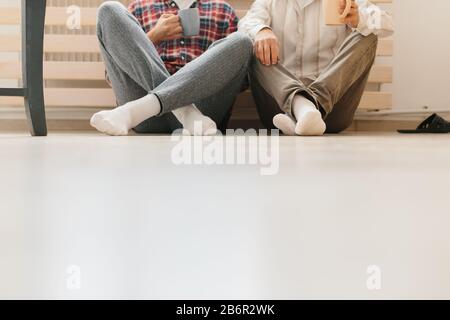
[{"x": 307, "y": 44}]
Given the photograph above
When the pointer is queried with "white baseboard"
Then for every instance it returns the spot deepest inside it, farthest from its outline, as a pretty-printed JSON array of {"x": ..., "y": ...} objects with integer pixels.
[
  {"x": 73, "y": 119},
  {"x": 16, "y": 113},
  {"x": 65, "y": 113}
]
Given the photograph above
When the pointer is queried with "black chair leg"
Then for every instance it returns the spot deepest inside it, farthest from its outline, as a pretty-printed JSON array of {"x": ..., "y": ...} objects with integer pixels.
[{"x": 33, "y": 15}]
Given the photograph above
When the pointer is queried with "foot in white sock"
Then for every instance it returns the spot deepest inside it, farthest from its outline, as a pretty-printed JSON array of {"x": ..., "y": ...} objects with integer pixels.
[
  {"x": 309, "y": 119},
  {"x": 113, "y": 122},
  {"x": 195, "y": 122},
  {"x": 119, "y": 121},
  {"x": 285, "y": 124}
]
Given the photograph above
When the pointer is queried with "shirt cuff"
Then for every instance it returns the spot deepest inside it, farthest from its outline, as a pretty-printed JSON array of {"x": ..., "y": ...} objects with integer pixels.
[
  {"x": 257, "y": 29},
  {"x": 362, "y": 25}
]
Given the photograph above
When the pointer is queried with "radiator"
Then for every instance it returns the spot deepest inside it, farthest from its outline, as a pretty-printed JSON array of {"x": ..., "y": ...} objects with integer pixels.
[
  {"x": 89, "y": 57},
  {"x": 64, "y": 30}
]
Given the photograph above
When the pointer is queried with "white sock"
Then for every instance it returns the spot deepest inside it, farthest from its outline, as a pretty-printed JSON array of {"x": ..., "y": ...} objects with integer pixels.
[
  {"x": 285, "y": 123},
  {"x": 309, "y": 119},
  {"x": 119, "y": 121},
  {"x": 195, "y": 122}
]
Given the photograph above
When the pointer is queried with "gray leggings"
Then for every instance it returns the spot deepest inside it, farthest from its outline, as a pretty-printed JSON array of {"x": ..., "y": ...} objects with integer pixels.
[{"x": 212, "y": 81}]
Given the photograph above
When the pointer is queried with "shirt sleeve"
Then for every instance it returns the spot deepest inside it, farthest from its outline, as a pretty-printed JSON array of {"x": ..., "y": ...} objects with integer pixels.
[
  {"x": 257, "y": 18},
  {"x": 231, "y": 21},
  {"x": 374, "y": 20},
  {"x": 234, "y": 21}
]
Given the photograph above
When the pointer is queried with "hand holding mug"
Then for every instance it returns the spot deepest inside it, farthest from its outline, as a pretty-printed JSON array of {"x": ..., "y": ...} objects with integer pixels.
[
  {"x": 340, "y": 12},
  {"x": 168, "y": 27},
  {"x": 352, "y": 17}
]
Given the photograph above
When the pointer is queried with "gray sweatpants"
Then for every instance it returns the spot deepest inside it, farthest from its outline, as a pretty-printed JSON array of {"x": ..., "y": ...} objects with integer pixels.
[
  {"x": 337, "y": 91},
  {"x": 212, "y": 81}
]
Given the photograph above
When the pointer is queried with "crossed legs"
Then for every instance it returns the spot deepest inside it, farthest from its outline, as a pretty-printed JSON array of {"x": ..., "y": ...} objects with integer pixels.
[{"x": 144, "y": 88}]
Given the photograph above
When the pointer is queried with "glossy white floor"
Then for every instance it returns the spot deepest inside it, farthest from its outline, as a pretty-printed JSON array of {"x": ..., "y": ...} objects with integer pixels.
[{"x": 89, "y": 216}]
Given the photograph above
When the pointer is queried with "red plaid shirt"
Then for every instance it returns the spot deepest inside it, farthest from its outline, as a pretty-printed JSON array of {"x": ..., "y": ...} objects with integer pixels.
[{"x": 217, "y": 20}]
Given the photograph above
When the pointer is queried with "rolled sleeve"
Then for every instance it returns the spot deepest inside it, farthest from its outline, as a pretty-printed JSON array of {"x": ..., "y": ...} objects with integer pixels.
[
  {"x": 374, "y": 20},
  {"x": 257, "y": 18}
]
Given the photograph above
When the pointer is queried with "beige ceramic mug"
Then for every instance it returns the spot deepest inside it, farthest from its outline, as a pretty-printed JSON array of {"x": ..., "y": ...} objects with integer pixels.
[{"x": 331, "y": 11}]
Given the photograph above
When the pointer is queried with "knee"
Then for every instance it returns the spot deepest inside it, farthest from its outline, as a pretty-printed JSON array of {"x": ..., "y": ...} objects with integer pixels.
[
  {"x": 243, "y": 44},
  {"x": 370, "y": 43},
  {"x": 372, "y": 39},
  {"x": 109, "y": 11}
]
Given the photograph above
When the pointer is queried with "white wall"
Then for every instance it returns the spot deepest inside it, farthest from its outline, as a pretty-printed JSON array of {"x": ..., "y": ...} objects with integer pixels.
[{"x": 422, "y": 54}]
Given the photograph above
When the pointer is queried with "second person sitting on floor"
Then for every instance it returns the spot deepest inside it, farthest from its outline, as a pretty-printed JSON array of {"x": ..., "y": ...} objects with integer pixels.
[{"x": 308, "y": 77}]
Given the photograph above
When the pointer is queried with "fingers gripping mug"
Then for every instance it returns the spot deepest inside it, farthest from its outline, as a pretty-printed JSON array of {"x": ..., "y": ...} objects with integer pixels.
[{"x": 331, "y": 11}]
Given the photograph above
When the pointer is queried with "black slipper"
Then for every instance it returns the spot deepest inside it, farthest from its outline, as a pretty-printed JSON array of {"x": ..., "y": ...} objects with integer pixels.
[{"x": 433, "y": 124}]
